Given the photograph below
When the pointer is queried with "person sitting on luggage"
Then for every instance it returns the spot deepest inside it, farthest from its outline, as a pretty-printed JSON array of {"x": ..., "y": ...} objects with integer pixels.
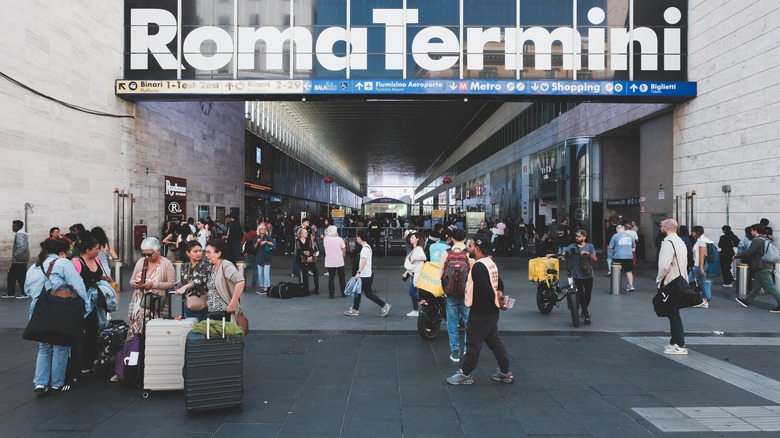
[
  {"x": 225, "y": 284},
  {"x": 194, "y": 278}
]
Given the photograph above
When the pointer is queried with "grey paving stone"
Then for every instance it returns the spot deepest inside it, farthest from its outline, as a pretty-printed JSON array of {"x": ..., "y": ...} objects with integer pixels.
[{"x": 431, "y": 421}]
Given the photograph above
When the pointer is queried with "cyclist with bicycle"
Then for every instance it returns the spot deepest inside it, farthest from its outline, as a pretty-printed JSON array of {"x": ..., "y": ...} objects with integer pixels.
[{"x": 580, "y": 256}]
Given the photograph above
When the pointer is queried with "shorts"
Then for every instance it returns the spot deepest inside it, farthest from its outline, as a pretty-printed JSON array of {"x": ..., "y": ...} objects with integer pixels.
[{"x": 628, "y": 264}]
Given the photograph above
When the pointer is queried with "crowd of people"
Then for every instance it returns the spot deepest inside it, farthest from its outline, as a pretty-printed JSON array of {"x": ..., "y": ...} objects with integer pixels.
[{"x": 80, "y": 263}]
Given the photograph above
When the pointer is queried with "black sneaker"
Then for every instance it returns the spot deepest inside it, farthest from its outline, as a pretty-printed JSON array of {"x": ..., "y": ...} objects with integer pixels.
[
  {"x": 743, "y": 303},
  {"x": 775, "y": 310},
  {"x": 40, "y": 390}
]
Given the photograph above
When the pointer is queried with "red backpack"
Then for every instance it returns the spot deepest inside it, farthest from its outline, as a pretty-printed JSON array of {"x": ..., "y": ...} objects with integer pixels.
[{"x": 455, "y": 274}]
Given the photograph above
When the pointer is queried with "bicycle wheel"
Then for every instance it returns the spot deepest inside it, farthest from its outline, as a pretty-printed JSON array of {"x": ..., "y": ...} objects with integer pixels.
[
  {"x": 545, "y": 299},
  {"x": 574, "y": 307},
  {"x": 428, "y": 322}
]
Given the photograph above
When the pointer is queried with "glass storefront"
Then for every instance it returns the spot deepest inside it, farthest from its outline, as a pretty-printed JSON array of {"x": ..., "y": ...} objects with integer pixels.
[{"x": 565, "y": 182}]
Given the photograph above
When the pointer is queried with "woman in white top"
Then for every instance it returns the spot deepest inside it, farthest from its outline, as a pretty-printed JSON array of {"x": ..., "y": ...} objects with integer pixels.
[
  {"x": 202, "y": 234},
  {"x": 366, "y": 275},
  {"x": 335, "y": 248},
  {"x": 414, "y": 263}
]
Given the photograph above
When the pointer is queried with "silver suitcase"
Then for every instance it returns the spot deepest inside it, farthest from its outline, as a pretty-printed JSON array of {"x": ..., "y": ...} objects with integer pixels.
[{"x": 164, "y": 354}]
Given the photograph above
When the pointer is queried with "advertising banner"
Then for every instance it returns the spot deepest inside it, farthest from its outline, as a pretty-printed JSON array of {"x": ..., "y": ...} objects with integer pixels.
[{"x": 175, "y": 198}]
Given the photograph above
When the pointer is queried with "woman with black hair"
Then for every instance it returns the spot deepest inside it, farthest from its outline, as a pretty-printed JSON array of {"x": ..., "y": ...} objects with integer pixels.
[
  {"x": 89, "y": 268},
  {"x": 106, "y": 250},
  {"x": 194, "y": 278},
  {"x": 51, "y": 271}
]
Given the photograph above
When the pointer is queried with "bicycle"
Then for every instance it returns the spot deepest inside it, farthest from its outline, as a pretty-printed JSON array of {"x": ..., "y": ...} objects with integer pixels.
[
  {"x": 550, "y": 292},
  {"x": 432, "y": 316}
]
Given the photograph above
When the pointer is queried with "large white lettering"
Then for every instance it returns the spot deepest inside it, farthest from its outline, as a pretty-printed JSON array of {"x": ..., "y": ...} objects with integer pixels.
[{"x": 433, "y": 48}]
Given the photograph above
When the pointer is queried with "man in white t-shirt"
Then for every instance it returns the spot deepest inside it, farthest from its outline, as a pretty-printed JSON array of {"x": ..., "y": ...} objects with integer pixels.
[{"x": 366, "y": 276}]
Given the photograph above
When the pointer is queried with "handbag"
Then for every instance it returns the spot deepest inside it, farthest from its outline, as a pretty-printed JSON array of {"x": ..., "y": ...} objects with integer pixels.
[
  {"x": 243, "y": 322},
  {"x": 197, "y": 303},
  {"x": 57, "y": 319},
  {"x": 151, "y": 301},
  {"x": 677, "y": 294},
  {"x": 584, "y": 265},
  {"x": 408, "y": 265},
  {"x": 354, "y": 287}
]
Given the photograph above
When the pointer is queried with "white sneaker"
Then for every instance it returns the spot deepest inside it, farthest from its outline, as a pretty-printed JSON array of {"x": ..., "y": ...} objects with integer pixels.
[
  {"x": 386, "y": 309},
  {"x": 704, "y": 305},
  {"x": 413, "y": 313},
  {"x": 728, "y": 285},
  {"x": 352, "y": 312},
  {"x": 630, "y": 288},
  {"x": 674, "y": 349}
]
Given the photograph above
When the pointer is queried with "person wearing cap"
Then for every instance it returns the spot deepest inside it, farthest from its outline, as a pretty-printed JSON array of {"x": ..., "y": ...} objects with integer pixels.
[
  {"x": 583, "y": 254},
  {"x": 484, "y": 297}
]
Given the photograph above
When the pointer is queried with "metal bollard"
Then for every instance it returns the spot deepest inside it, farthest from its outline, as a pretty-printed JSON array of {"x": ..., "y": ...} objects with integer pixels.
[
  {"x": 118, "y": 273},
  {"x": 742, "y": 279},
  {"x": 177, "y": 265},
  {"x": 241, "y": 267},
  {"x": 617, "y": 277}
]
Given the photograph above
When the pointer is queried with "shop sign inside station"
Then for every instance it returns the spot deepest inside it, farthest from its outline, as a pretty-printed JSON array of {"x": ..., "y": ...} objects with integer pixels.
[{"x": 616, "y": 49}]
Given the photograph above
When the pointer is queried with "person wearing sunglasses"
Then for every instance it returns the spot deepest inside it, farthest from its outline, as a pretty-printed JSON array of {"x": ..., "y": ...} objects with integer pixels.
[{"x": 153, "y": 273}]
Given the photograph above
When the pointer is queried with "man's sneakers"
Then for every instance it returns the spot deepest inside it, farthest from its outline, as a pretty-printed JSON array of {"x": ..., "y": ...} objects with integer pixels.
[
  {"x": 703, "y": 305},
  {"x": 674, "y": 349},
  {"x": 507, "y": 377},
  {"x": 743, "y": 303},
  {"x": 7, "y": 296},
  {"x": 587, "y": 319},
  {"x": 385, "y": 309},
  {"x": 413, "y": 313},
  {"x": 728, "y": 285},
  {"x": 352, "y": 312},
  {"x": 775, "y": 310},
  {"x": 609, "y": 273},
  {"x": 630, "y": 288},
  {"x": 40, "y": 390},
  {"x": 455, "y": 356},
  {"x": 460, "y": 379}
]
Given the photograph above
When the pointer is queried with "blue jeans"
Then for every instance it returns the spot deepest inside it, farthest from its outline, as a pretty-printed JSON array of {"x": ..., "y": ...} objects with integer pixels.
[
  {"x": 264, "y": 272},
  {"x": 414, "y": 294},
  {"x": 676, "y": 329},
  {"x": 51, "y": 365},
  {"x": 456, "y": 312},
  {"x": 704, "y": 285},
  {"x": 250, "y": 261}
]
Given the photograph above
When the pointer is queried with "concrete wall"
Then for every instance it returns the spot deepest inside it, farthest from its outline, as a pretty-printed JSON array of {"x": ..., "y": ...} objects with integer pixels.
[
  {"x": 67, "y": 163},
  {"x": 730, "y": 133}
]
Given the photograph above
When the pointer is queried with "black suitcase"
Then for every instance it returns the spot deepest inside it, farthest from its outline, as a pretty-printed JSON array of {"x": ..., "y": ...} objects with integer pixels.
[
  {"x": 285, "y": 290},
  {"x": 213, "y": 372}
]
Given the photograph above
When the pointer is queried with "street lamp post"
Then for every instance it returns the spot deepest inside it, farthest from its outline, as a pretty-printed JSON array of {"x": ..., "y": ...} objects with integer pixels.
[
  {"x": 329, "y": 182},
  {"x": 447, "y": 180}
]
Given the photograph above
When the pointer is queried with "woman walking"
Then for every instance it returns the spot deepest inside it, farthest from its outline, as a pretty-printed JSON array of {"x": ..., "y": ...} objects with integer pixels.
[
  {"x": 366, "y": 275},
  {"x": 414, "y": 263}
]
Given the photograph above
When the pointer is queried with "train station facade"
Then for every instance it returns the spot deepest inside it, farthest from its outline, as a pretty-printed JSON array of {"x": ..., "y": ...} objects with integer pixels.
[{"x": 75, "y": 148}]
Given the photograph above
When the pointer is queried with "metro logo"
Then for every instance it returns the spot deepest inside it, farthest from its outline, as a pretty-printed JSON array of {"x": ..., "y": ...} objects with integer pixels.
[{"x": 152, "y": 33}]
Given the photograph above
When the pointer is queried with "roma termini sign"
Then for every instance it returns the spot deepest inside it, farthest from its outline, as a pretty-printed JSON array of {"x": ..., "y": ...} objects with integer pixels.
[{"x": 427, "y": 47}]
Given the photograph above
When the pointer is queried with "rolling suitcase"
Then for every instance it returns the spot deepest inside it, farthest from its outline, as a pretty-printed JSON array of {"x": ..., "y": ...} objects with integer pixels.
[
  {"x": 213, "y": 371},
  {"x": 164, "y": 354}
]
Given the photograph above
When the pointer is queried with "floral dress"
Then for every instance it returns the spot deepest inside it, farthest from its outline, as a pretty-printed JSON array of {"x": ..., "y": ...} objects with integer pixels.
[{"x": 216, "y": 303}]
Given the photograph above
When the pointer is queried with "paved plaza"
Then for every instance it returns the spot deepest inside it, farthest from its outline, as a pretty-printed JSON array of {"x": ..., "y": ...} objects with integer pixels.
[{"x": 312, "y": 372}]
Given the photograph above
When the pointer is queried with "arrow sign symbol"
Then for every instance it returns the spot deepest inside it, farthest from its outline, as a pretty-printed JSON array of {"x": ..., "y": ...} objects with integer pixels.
[
  {"x": 121, "y": 86},
  {"x": 534, "y": 86},
  {"x": 453, "y": 87},
  {"x": 359, "y": 85},
  {"x": 633, "y": 87}
]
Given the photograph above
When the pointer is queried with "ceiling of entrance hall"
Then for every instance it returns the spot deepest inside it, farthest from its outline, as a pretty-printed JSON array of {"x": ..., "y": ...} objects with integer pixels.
[{"x": 392, "y": 143}]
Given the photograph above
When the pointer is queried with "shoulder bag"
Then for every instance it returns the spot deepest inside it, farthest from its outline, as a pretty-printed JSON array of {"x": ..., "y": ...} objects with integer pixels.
[
  {"x": 677, "y": 294},
  {"x": 149, "y": 300},
  {"x": 57, "y": 319}
]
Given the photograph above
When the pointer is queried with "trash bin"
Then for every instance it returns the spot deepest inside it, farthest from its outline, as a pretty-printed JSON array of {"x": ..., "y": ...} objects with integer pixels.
[
  {"x": 617, "y": 271},
  {"x": 743, "y": 273}
]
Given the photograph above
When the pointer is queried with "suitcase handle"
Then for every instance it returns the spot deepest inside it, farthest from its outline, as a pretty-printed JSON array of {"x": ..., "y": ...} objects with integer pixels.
[{"x": 208, "y": 323}]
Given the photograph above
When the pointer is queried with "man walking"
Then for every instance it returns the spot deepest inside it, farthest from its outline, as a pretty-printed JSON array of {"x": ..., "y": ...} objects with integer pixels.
[
  {"x": 761, "y": 271},
  {"x": 672, "y": 262},
  {"x": 453, "y": 270},
  {"x": 623, "y": 245},
  {"x": 20, "y": 255},
  {"x": 484, "y": 297}
]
